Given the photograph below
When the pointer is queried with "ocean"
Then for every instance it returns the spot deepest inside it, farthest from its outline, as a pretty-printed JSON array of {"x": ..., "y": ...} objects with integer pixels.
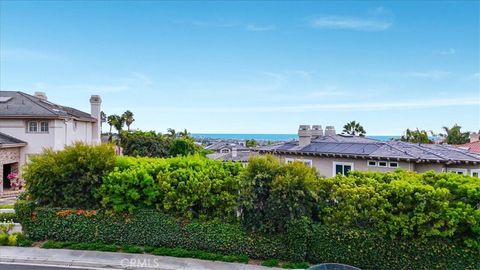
[{"x": 269, "y": 137}]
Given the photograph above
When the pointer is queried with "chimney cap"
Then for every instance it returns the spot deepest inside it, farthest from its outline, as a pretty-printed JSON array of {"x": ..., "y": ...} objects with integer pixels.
[
  {"x": 304, "y": 127},
  {"x": 41, "y": 95},
  {"x": 95, "y": 99}
]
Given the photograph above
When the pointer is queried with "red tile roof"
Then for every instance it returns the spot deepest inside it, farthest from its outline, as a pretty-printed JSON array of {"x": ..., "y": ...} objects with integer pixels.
[{"x": 472, "y": 147}]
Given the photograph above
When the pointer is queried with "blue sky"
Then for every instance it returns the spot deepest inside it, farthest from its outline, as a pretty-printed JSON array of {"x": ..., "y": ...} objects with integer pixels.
[{"x": 252, "y": 67}]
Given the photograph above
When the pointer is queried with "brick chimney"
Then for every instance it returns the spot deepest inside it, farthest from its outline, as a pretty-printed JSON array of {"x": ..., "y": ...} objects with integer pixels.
[
  {"x": 95, "y": 111},
  {"x": 304, "y": 135}
]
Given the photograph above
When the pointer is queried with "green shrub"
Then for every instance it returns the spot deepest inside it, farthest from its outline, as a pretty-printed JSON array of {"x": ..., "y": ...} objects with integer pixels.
[
  {"x": 295, "y": 265},
  {"x": 184, "y": 186},
  {"x": 271, "y": 263},
  {"x": 6, "y": 206},
  {"x": 3, "y": 238},
  {"x": 68, "y": 178},
  {"x": 404, "y": 204},
  {"x": 274, "y": 194}
]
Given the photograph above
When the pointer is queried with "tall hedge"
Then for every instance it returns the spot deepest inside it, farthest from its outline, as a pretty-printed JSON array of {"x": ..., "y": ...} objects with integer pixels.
[
  {"x": 301, "y": 241},
  {"x": 184, "y": 186},
  {"x": 68, "y": 178},
  {"x": 404, "y": 204}
]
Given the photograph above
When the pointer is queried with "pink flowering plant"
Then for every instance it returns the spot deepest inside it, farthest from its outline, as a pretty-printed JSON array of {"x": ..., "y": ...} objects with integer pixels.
[{"x": 15, "y": 183}]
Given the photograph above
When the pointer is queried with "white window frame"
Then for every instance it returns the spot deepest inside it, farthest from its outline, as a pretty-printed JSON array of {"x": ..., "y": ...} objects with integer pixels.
[
  {"x": 457, "y": 170},
  {"x": 224, "y": 150},
  {"x": 38, "y": 127},
  {"x": 472, "y": 171},
  {"x": 386, "y": 164},
  {"x": 307, "y": 162},
  {"x": 368, "y": 163},
  {"x": 390, "y": 164},
  {"x": 335, "y": 163}
]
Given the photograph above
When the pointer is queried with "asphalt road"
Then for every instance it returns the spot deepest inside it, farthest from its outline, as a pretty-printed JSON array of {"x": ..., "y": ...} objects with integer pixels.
[{"x": 32, "y": 267}]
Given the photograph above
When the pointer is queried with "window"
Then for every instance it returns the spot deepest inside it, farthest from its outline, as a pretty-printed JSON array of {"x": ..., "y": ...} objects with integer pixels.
[
  {"x": 342, "y": 168},
  {"x": 43, "y": 126},
  {"x": 371, "y": 163},
  {"x": 393, "y": 164},
  {"x": 382, "y": 164},
  {"x": 37, "y": 126},
  {"x": 224, "y": 151},
  {"x": 32, "y": 127},
  {"x": 307, "y": 162},
  {"x": 457, "y": 171},
  {"x": 475, "y": 173}
]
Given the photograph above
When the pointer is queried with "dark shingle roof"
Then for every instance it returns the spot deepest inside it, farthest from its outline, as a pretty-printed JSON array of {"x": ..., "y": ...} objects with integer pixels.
[
  {"x": 6, "y": 140},
  {"x": 358, "y": 147},
  {"x": 21, "y": 105},
  {"x": 240, "y": 157},
  {"x": 225, "y": 144}
]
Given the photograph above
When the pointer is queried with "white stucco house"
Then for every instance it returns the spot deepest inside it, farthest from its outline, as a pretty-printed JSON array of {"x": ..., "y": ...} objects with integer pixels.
[{"x": 30, "y": 123}]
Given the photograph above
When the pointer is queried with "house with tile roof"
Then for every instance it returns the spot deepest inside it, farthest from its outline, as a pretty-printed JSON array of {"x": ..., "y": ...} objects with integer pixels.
[
  {"x": 30, "y": 123},
  {"x": 473, "y": 145},
  {"x": 332, "y": 153}
]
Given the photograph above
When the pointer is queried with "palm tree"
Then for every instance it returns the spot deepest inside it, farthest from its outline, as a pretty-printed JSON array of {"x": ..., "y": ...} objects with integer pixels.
[
  {"x": 184, "y": 133},
  {"x": 454, "y": 135},
  {"x": 128, "y": 116},
  {"x": 354, "y": 128},
  {"x": 111, "y": 120},
  {"x": 103, "y": 119},
  {"x": 172, "y": 132},
  {"x": 118, "y": 123}
]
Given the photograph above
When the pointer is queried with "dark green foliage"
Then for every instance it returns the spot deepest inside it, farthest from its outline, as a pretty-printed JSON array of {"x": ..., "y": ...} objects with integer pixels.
[
  {"x": 152, "y": 144},
  {"x": 251, "y": 143},
  {"x": 354, "y": 128},
  {"x": 302, "y": 241},
  {"x": 68, "y": 178},
  {"x": 184, "y": 186},
  {"x": 145, "y": 144},
  {"x": 274, "y": 194},
  {"x": 271, "y": 263},
  {"x": 79, "y": 246},
  {"x": 368, "y": 250}
]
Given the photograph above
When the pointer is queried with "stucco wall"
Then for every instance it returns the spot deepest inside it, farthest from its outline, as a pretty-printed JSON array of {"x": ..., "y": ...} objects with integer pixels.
[
  {"x": 324, "y": 165},
  {"x": 60, "y": 133}
]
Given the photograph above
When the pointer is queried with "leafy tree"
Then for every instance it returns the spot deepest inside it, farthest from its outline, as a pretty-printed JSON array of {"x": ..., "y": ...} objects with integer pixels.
[
  {"x": 416, "y": 136},
  {"x": 182, "y": 147},
  {"x": 354, "y": 128},
  {"x": 251, "y": 143},
  {"x": 171, "y": 133},
  {"x": 145, "y": 144},
  {"x": 454, "y": 135},
  {"x": 128, "y": 117},
  {"x": 184, "y": 134}
]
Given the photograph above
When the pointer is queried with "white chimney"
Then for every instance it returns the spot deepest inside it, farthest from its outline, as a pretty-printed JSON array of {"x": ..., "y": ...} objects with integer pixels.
[
  {"x": 304, "y": 135},
  {"x": 95, "y": 111},
  {"x": 474, "y": 137},
  {"x": 41, "y": 95},
  {"x": 317, "y": 131},
  {"x": 234, "y": 152},
  {"x": 330, "y": 131}
]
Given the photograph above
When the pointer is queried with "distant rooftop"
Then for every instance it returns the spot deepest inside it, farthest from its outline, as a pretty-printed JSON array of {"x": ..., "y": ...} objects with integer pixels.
[{"x": 359, "y": 147}]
